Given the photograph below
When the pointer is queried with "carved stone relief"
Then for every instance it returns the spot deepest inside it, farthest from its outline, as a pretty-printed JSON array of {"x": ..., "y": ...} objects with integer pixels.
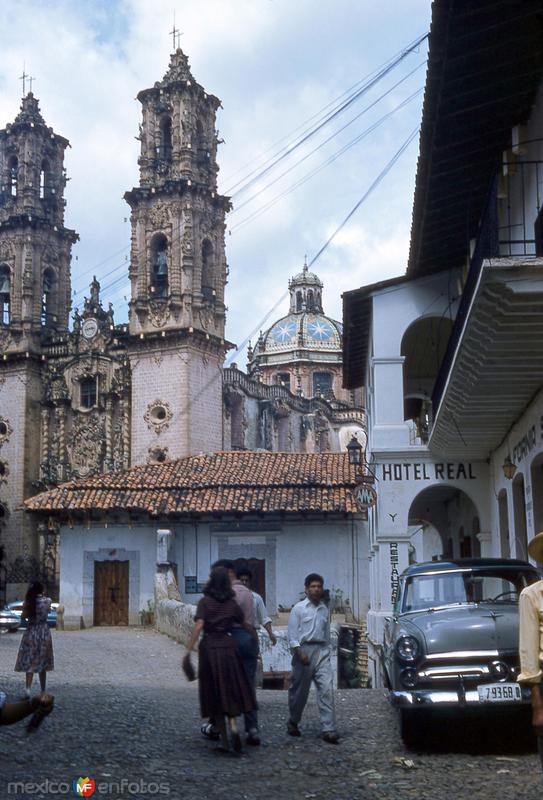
[
  {"x": 86, "y": 444},
  {"x": 5, "y": 430},
  {"x": 158, "y": 416}
]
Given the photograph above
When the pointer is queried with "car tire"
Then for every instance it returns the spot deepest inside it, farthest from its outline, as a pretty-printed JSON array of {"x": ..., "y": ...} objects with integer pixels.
[{"x": 410, "y": 729}]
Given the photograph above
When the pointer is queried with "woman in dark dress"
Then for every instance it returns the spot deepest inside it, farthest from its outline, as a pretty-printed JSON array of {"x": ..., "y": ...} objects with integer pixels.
[{"x": 225, "y": 691}]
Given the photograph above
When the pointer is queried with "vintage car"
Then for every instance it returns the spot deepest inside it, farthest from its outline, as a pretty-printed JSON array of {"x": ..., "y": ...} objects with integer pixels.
[{"x": 452, "y": 641}]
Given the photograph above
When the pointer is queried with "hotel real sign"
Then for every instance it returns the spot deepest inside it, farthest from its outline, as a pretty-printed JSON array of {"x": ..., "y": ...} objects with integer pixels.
[{"x": 447, "y": 471}]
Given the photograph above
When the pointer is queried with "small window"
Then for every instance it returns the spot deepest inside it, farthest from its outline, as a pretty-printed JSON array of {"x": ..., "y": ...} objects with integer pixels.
[
  {"x": 88, "y": 392},
  {"x": 13, "y": 169},
  {"x": 310, "y": 305},
  {"x": 322, "y": 384},
  {"x": 159, "y": 265},
  {"x": 208, "y": 290},
  {"x": 283, "y": 379},
  {"x": 299, "y": 301},
  {"x": 44, "y": 180},
  {"x": 5, "y": 294},
  {"x": 47, "y": 311},
  {"x": 164, "y": 149}
]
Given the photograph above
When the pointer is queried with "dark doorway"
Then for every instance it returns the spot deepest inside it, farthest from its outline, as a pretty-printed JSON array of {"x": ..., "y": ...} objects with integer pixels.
[
  {"x": 258, "y": 568},
  {"x": 111, "y": 592}
]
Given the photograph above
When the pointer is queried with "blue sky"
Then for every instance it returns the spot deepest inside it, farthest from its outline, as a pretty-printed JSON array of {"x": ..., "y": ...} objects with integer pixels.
[{"x": 274, "y": 64}]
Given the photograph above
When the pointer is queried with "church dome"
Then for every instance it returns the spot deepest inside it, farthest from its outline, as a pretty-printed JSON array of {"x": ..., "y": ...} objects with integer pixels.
[
  {"x": 305, "y": 330},
  {"x": 305, "y": 333}
]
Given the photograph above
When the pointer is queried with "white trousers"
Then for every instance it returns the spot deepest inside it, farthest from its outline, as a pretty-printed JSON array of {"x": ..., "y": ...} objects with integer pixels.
[{"x": 319, "y": 670}]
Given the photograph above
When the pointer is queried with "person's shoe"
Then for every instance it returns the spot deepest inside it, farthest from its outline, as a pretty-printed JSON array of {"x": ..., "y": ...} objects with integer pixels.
[
  {"x": 253, "y": 737},
  {"x": 330, "y": 736},
  {"x": 293, "y": 729},
  {"x": 45, "y": 706},
  {"x": 210, "y": 732}
]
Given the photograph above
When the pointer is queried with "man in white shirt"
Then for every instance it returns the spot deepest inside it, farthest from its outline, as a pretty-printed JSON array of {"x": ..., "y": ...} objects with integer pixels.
[
  {"x": 260, "y": 612},
  {"x": 309, "y": 641}
]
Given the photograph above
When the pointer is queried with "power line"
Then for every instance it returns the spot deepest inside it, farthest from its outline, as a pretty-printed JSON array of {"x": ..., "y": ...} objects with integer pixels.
[
  {"x": 262, "y": 209},
  {"x": 410, "y": 48},
  {"x": 333, "y": 114},
  {"x": 330, "y": 239}
]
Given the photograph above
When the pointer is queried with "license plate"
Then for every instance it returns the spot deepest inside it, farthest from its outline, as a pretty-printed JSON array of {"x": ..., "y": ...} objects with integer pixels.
[{"x": 500, "y": 693}]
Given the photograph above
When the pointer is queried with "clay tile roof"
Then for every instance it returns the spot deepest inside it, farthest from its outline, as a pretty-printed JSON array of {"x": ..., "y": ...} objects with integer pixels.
[{"x": 219, "y": 483}]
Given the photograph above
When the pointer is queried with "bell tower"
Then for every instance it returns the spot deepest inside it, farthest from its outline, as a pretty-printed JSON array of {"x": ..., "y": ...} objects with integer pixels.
[
  {"x": 35, "y": 247},
  {"x": 35, "y": 250},
  {"x": 177, "y": 270},
  {"x": 178, "y": 264}
]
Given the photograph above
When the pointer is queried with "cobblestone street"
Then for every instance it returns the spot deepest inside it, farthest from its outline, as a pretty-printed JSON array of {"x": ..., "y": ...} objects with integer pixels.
[{"x": 124, "y": 711}]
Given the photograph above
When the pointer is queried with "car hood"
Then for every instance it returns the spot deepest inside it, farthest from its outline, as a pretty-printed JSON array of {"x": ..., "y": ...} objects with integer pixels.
[{"x": 469, "y": 627}]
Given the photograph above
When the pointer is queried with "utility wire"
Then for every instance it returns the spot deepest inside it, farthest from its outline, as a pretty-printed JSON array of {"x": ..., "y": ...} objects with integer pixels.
[
  {"x": 331, "y": 116},
  {"x": 328, "y": 139},
  {"x": 262, "y": 209},
  {"x": 367, "y": 83},
  {"x": 329, "y": 241}
]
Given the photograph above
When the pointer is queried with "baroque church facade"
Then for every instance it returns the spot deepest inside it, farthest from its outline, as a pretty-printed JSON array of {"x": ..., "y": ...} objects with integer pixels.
[{"x": 103, "y": 396}]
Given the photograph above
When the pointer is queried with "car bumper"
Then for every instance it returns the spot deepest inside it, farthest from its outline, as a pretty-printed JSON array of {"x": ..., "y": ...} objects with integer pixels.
[{"x": 432, "y": 698}]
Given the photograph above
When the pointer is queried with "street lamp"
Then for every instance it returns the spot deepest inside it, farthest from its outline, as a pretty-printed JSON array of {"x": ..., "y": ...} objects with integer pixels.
[
  {"x": 509, "y": 468},
  {"x": 354, "y": 451}
]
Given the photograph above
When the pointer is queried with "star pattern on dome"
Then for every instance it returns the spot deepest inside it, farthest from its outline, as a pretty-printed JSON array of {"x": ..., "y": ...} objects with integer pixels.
[
  {"x": 319, "y": 330},
  {"x": 284, "y": 331}
]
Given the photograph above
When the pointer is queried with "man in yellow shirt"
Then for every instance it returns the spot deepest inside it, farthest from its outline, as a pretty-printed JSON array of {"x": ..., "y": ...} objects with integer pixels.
[{"x": 531, "y": 640}]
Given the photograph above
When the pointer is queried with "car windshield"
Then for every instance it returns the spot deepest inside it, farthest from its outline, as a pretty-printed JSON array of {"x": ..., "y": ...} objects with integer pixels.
[{"x": 431, "y": 589}]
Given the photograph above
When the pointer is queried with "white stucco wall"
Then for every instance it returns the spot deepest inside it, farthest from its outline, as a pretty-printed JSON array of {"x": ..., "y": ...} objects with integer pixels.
[{"x": 81, "y": 547}]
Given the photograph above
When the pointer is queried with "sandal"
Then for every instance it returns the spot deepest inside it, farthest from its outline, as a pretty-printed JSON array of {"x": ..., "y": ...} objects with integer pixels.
[
  {"x": 210, "y": 732},
  {"x": 45, "y": 706}
]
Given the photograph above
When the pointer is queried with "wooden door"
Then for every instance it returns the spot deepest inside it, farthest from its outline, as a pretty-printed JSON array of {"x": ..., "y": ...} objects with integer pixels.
[
  {"x": 258, "y": 568},
  {"x": 111, "y": 592}
]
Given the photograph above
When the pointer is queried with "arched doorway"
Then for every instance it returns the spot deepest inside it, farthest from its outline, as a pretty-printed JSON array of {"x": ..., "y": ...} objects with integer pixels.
[{"x": 437, "y": 518}]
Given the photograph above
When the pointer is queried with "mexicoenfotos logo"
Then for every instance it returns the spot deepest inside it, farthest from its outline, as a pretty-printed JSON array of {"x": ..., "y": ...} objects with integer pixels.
[{"x": 83, "y": 787}]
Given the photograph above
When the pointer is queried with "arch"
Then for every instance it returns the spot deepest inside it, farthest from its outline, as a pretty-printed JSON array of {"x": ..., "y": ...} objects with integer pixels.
[
  {"x": 299, "y": 301},
  {"x": 159, "y": 266},
  {"x": 13, "y": 176},
  {"x": 443, "y": 508},
  {"x": 208, "y": 289},
  {"x": 48, "y": 316},
  {"x": 5, "y": 294},
  {"x": 519, "y": 517},
  {"x": 423, "y": 346},
  {"x": 503, "y": 521},
  {"x": 310, "y": 303},
  {"x": 164, "y": 149}
]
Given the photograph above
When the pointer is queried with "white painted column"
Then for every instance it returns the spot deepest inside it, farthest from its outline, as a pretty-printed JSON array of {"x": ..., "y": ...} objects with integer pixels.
[{"x": 485, "y": 541}]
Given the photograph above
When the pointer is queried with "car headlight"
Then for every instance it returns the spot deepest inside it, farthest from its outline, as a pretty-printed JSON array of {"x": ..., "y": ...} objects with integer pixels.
[
  {"x": 409, "y": 677},
  {"x": 407, "y": 648}
]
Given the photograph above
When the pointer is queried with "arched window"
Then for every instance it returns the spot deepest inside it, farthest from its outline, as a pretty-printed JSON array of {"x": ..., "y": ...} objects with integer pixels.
[
  {"x": 159, "y": 266},
  {"x": 310, "y": 304},
  {"x": 208, "y": 290},
  {"x": 44, "y": 180},
  {"x": 5, "y": 294},
  {"x": 88, "y": 392},
  {"x": 322, "y": 384},
  {"x": 299, "y": 301},
  {"x": 47, "y": 298},
  {"x": 13, "y": 170},
  {"x": 165, "y": 147}
]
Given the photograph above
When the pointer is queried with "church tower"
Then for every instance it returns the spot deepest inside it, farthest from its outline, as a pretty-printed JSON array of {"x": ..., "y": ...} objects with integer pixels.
[
  {"x": 177, "y": 271},
  {"x": 35, "y": 246},
  {"x": 35, "y": 250}
]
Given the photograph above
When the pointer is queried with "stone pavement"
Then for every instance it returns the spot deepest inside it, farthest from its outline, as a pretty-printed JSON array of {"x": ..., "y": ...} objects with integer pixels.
[{"x": 124, "y": 711}]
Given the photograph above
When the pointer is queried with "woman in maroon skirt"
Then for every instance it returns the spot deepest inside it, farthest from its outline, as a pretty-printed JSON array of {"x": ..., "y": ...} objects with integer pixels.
[{"x": 225, "y": 692}]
